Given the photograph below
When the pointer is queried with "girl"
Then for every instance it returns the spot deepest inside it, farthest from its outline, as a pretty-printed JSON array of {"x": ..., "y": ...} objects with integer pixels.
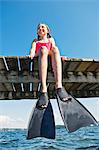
[{"x": 43, "y": 46}]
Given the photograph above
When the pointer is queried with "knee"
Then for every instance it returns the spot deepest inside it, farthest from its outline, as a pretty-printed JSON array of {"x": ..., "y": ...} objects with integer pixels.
[
  {"x": 43, "y": 50},
  {"x": 55, "y": 50}
]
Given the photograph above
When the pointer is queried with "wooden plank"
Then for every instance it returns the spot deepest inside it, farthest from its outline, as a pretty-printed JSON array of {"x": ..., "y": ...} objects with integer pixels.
[
  {"x": 12, "y": 63},
  {"x": 8, "y": 86},
  {"x": 18, "y": 87},
  {"x": 50, "y": 77},
  {"x": 71, "y": 76},
  {"x": 35, "y": 64},
  {"x": 26, "y": 87},
  {"x": 50, "y": 64},
  {"x": 35, "y": 76},
  {"x": 35, "y": 86},
  {"x": 72, "y": 66},
  {"x": 81, "y": 86},
  {"x": 87, "y": 86},
  {"x": 95, "y": 86},
  {"x": 91, "y": 77},
  {"x": 83, "y": 66},
  {"x": 93, "y": 66},
  {"x": 2, "y": 87},
  {"x": 65, "y": 65},
  {"x": 2, "y": 65},
  {"x": 15, "y": 95},
  {"x": 64, "y": 58},
  {"x": 51, "y": 90},
  {"x": 85, "y": 94},
  {"x": 74, "y": 87},
  {"x": 35, "y": 89},
  {"x": 67, "y": 85},
  {"x": 26, "y": 77},
  {"x": 80, "y": 77},
  {"x": 19, "y": 79},
  {"x": 3, "y": 76},
  {"x": 34, "y": 70},
  {"x": 24, "y": 63},
  {"x": 97, "y": 69},
  {"x": 29, "y": 95}
]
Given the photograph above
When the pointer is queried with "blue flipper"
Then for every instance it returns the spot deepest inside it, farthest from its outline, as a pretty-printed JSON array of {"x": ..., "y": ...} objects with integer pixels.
[
  {"x": 42, "y": 123},
  {"x": 74, "y": 114}
]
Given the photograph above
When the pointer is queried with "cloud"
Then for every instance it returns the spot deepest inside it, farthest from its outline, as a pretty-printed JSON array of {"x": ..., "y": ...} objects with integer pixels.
[
  {"x": 92, "y": 104},
  {"x": 9, "y": 122}
]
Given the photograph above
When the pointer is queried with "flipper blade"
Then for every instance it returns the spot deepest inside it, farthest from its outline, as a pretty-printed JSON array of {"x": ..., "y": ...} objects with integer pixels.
[
  {"x": 42, "y": 123},
  {"x": 74, "y": 114}
]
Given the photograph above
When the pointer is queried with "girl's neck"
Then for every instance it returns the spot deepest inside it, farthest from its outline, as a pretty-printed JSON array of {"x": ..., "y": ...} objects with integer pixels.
[{"x": 43, "y": 38}]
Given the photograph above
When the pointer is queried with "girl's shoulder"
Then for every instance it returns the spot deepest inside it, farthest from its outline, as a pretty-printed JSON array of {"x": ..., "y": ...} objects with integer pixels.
[
  {"x": 34, "y": 40},
  {"x": 51, "y": 39}
]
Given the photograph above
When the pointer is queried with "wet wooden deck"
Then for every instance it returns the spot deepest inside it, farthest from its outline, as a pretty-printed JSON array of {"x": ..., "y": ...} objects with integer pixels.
[{"x": 19, "y": 77}]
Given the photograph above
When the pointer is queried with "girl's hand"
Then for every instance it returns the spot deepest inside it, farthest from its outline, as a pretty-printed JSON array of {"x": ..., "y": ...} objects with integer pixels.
[
  {"x": 64, "y": 58},
  {"x": 32, "y": 54},
  {"x": 32, "y": 50}
]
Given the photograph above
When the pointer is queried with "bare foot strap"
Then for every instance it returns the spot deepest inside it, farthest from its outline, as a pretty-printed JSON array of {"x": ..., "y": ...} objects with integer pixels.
[
  {"x": 42, "y": 101},
  {"x": 61, "y": 92}
]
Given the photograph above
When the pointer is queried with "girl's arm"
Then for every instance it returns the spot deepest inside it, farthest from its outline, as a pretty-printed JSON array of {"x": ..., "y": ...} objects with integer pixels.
[
  {"x": 53, "y": 42},
  {"x": 32, "y": 50}
]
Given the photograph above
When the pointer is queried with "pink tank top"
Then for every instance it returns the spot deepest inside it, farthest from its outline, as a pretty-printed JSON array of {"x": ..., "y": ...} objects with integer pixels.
[{"x": 39, "y": 45}]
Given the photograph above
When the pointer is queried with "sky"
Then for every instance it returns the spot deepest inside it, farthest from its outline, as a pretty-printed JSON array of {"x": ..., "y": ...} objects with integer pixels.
[{"x": 74, "y": 25}]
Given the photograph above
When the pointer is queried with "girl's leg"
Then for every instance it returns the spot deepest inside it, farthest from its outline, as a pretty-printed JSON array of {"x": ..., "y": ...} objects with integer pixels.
[
  {"x": 57, "y": 67},
  {"x": 43, "y": 54}
]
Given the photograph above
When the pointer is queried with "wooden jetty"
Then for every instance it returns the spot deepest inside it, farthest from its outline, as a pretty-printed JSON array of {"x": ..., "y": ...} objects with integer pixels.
[{"x": 19, "y": 77}]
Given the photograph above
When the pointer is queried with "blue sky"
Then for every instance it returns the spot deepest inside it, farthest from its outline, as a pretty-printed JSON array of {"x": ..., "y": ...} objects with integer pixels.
[{"x": 75, "y": 26}]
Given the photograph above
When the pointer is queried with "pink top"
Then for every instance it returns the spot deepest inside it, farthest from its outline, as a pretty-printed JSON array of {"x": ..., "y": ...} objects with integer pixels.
[{"x": 39, "y": 45}]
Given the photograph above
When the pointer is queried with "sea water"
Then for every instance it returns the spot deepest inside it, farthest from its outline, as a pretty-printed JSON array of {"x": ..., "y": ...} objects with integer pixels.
[{"x": 86, "y": 138}]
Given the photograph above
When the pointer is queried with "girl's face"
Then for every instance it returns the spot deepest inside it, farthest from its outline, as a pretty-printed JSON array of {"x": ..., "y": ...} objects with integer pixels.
[{"x": 42, "y": 30}]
